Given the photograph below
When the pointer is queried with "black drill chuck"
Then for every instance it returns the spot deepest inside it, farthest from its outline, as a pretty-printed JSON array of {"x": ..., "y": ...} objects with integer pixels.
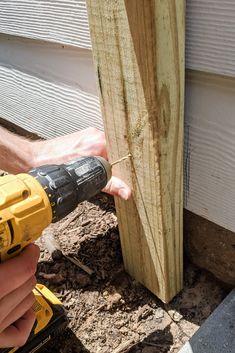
[{"x": 69, "y": 184}]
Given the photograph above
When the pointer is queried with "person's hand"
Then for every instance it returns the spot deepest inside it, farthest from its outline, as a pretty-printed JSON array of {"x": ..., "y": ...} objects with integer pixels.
[
  {"x": 88, "y": 142},
  {"x": 17, "y": 281}
]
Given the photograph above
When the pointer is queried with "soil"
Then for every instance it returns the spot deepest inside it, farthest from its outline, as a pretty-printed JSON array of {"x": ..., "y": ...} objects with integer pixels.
[{"x": 108, "y": 311}]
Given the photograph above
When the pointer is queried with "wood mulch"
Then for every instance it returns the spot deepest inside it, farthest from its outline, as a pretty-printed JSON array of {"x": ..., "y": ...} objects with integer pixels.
[{"x": 108, "y": 311}]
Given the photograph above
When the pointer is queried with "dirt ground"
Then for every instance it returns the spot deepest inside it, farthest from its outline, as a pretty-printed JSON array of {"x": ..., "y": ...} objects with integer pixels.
[{"x": 108, "y": 311}]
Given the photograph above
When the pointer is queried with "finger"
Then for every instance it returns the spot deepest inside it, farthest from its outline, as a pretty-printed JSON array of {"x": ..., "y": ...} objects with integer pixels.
[
  {"x": 16, "y": 335},
  {"x": 118, "y": 187},
  {"x": 9, "y": 302},
  {"x": 16, "y": 271},
  {"x": 18, "y": 312}
]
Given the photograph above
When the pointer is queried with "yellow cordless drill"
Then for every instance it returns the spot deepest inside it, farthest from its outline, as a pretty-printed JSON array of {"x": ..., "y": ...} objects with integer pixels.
[{"x": 28, "y": 204}]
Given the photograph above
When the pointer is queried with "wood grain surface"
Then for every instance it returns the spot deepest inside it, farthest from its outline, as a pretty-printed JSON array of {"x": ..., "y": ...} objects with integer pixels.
[
  {"x": 42, "y": 81},
  {"x": 139, "y": 57}
]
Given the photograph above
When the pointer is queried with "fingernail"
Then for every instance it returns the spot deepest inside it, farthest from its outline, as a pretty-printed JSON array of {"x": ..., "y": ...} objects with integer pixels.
[{"x": 123, "y": 193}]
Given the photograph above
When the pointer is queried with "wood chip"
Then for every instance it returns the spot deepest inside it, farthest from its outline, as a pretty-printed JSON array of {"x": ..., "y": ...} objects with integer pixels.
[
  {"x": 144, "y": 312},
  {"x": 73, "y": 230},
  {"x": 78, "y": 263},
  {"x": 84, "y": 238},
  {"x": 47, "y": 275},
  {"x": 124, "y": 346},
  {"x": 86, "y": 222},
  {"x": 68, "y": 221}
]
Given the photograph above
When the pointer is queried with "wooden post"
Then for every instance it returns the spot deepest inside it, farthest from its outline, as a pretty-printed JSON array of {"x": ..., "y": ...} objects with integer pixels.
[{"x": 138, "y": 48}]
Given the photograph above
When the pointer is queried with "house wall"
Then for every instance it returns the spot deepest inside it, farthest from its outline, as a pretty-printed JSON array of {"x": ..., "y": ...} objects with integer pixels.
[{"x": 47, "y": 86}]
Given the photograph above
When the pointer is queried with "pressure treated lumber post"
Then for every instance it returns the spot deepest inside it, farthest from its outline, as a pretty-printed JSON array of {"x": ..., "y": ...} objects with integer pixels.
[{"x": 138, "y": 48}]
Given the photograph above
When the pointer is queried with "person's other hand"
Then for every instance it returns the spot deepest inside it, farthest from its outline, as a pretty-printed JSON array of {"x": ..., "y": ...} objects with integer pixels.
[
  {"x": 88, "y": 142},
  {"x": 17, "y": 281}
]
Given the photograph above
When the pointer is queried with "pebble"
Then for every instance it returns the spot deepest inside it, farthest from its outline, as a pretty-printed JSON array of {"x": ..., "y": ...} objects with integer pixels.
[
  {"x": 175, "y": 315},
  {"x": 56, "y": 255},
  {"x": 159, "y": 313},
  {"x": 144, "y": 312},
  {"x": 113, "y": 298}
]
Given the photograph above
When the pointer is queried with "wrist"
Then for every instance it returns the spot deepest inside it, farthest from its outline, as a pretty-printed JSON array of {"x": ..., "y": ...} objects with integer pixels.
[
  {"x": 49, "y": 152},
  {"x": 38, "y": 155},
  {"x": 25, "y": 157},
  {"x": 88, "y": 142},
  {"x": 21, "y": 158},
  {"x": 29, "y": 155},
  {"x": 16, "y": 152}
]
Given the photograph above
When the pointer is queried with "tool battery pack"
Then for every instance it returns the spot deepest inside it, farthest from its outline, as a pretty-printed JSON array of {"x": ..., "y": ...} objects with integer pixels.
[{"x": 50, "y": 321}]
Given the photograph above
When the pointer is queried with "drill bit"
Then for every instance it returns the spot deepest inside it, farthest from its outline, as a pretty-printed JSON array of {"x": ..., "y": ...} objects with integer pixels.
[{"x": 121, "y": 159}]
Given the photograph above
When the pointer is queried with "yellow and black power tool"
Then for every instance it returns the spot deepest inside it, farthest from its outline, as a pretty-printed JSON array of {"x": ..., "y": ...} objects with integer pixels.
[{"x": 28, "y": 204}]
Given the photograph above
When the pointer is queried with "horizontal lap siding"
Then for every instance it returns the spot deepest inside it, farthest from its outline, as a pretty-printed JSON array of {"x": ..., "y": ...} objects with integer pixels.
[
  {"x": 46, "y": 108},
  {"x": 209, "y": 148},
  {"x": 47, "y": 86},
  {"x": 210, "y": 36},
  {"x": 59, "y": 21},
  {"x": 49, "y": 61}
]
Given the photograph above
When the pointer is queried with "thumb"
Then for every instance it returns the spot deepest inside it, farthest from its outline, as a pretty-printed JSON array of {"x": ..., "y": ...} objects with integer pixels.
[{"x": 117, "y": 187}]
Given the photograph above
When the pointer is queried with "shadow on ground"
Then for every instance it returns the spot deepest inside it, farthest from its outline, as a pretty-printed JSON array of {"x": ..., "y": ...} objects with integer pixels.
[
  {"x": 158, "y": 341},
  {"x": 68, "y": 343}
]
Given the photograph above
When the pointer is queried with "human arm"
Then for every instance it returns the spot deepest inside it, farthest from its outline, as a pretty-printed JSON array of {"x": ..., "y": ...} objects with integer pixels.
[
  {"x": 20, "y": 154},
  {"x": 16, "y": 154}
]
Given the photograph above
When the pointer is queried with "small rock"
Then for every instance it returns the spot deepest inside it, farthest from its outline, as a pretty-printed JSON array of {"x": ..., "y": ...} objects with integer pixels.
[
  {"x": 144, "y": 312},
  {"x": 113, "y": 298},
  {"x": 175, "y": 315},
  {"x": 56, "y": 255},
  {"x": 159, "y": 313}
]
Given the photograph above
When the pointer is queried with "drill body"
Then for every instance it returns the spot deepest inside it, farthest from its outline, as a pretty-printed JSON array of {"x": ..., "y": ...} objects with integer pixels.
[
  {"x": 25, "y": 212},
  {"x": 28, "y": 204}
]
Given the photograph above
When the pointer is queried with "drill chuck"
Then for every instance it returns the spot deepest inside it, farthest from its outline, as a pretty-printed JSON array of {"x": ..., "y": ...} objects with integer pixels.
[{"x": 66, "y": 185}]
